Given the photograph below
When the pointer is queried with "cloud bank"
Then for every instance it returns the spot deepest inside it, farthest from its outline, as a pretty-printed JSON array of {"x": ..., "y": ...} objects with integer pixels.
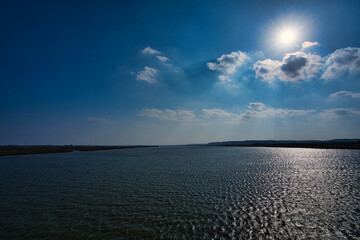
[
  {"x": 294, "y": 67},
  {"x": 217, "y": 113},
  {"x": 261, "y": 111},
  {"x": 256, "y": 110},
  {"x": 340, "y": 112}
]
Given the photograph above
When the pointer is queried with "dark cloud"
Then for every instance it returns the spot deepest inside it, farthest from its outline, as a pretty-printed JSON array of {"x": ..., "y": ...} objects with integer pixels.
[
  {"x": 346, "y": 56},
  {"x": 263, "y": 70},
  {"x": 340, "y": 112},
  {"x": 357, "y": 64},
  {"x": 293, "y": 65}
]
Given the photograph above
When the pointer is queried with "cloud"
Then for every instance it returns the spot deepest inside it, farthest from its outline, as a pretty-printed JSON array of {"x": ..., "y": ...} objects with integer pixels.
[
  {"x": 339, "y": 112},
  {"x": 228, "y": 63},
  {"x": 300, "y": 66},
  {"x": 167, "y": 114},
  {"x": 257, "y": 106},
  {"x": 314, "y": 66},
  {"x": 99, "y": 120},
  {"x": 268, "y": 112},
  {"x": 163, "y": 59},
  {"x": 268, "y": 70},
  {"x": 147, "y": 75},
  {"x": 256, "y": 110},
  {"x": 217, "y": 113},
  {"x": 345, "y": 94},
  {"x": 149, "y": 50},
  {"x": 304, "y": 66},
  {"x": 228, "y": 83},
  {"x": 224, "y": 79},
  {"x": 293, "y": 67},
  {"x": 343, "y": 61},
  {"x": 308, "y": 44}
]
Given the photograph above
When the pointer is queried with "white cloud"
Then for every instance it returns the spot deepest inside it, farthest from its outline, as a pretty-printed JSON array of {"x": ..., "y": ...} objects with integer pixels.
[
  {"x": 343, "y": 61},
  {"x": 228, "y": 63},
  {"x": 149, "y": 50},
  {"x": 99, "y": 120},
  {"x": 217, "y": 113},
  {"x": 224, "y": 79},
  {"x": 269, "y": 112},
  {"x": 167, "y": 114},
  {"x": 228, "y": 83},
  {"x": 308, "y": 44},
  {"x": 314, "y": 66},
  {"x": 257, "y": 106},
  {"x": 256, "y": 110},
  {"x": 345, "y": 94},
  {"x": 268, "y": 70},
  {"x": 147, "y": 75},
  {"x": 165, "y": 60},
  {"x": 339, "y": 112},
  {"x": 162, "y": 59}
]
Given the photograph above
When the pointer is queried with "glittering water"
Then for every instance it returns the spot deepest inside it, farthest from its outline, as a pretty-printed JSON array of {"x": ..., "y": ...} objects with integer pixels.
[{"x": 182, "y": 193}]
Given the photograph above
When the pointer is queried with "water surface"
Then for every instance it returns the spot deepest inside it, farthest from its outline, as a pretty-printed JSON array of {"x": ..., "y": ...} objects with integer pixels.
[{"x": 182, "y": 193}]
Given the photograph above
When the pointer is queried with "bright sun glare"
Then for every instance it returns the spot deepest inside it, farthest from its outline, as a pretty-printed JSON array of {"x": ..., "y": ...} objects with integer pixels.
[{"x": 287, "y": 37}]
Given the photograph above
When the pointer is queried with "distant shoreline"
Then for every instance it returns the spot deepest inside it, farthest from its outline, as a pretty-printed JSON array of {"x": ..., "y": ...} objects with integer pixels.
[
  {"x": 43, "y": 149},
  {"x": 331, "y": 144},
  {"x": 7, "y": 150}
]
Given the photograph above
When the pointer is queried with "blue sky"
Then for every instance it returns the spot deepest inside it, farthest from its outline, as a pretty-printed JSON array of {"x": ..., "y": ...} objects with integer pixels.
[{"x": 174, "y": 72}]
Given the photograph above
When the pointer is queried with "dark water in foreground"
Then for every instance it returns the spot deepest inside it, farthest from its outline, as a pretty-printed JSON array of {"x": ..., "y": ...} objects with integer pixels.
[{"x": 182, "y": 193}]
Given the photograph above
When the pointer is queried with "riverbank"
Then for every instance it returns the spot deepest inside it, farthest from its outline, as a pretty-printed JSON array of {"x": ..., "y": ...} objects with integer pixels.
[
  {"x": 41, "y": 149},
  {"x": 330, "y": 144}
]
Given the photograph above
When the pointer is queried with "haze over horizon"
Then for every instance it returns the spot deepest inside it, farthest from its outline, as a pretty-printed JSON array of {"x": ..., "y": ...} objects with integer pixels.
[{"x": 178, "y": 72}]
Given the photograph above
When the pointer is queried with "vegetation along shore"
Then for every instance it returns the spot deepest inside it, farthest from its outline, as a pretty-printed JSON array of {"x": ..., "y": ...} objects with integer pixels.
[{"x": 38, "y": 149}]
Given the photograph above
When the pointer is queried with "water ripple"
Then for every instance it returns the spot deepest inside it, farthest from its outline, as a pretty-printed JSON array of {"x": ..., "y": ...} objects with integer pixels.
[{"x": 182, "y": 193}]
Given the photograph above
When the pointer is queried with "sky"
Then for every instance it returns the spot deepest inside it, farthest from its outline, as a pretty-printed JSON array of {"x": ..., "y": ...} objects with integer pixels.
[{"x": 178, "y": 72}]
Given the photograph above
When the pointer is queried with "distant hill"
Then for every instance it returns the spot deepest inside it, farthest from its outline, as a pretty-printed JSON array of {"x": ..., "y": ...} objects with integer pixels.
[{"x": 335, "y": 143}]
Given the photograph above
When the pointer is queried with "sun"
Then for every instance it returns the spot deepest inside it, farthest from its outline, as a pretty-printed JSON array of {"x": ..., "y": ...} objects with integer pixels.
[
  {"x": 286, "y": 32},
  {"x": 287, "y": 36}
]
